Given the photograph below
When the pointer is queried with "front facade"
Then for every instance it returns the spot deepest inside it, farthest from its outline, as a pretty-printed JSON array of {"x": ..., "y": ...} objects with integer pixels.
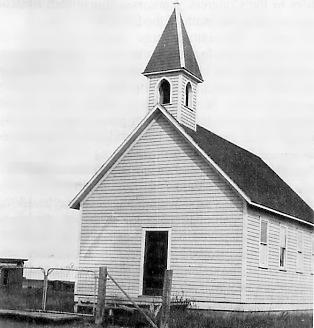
[{"x": 176, "y": 196}]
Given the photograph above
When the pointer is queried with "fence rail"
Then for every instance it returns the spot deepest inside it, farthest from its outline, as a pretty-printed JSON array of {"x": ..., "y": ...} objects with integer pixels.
[
  {"x": 37, "y": 289},
  {"x": 63, "y": 290}
]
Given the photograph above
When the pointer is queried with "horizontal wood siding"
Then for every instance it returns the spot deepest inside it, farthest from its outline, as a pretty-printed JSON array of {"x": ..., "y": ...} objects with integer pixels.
[
  {"x": 153, "y": 92},
  {"x": 188, "y": 115},
  {"x": 162, "y": 182},
  {"x": 273, "y": 285}
]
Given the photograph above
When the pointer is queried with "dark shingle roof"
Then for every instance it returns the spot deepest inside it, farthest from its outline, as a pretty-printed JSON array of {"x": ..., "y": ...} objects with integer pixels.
[
  {"x": 166, "y": 55},
  {"x": 252, "y": 175},
  {"x": 190, "y": 61}
]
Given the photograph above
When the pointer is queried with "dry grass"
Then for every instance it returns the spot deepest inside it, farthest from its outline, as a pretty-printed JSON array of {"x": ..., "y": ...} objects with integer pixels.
[
  {"x": 31, "y": 299},
  {"x": 195, "y": 319},
  {"x": 11, "y": 323},
  {"x": 180, "y": 318}
]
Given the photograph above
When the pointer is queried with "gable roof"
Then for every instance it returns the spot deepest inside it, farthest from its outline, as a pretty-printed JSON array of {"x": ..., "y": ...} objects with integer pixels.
[
  {"x": 252, "y": 175},
  {"x": 174, "y": 50},
  {"x": 253, "y": 179}
]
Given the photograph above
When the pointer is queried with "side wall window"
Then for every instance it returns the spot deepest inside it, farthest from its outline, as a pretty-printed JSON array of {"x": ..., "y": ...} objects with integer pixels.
[
  {"x": 312, "y": 254},
  {"x": 283, "y": 247},
  {"x": 299, "y": 251},
  {"x": 164, "y": 92},
  {"x": 263, "y": 244}
]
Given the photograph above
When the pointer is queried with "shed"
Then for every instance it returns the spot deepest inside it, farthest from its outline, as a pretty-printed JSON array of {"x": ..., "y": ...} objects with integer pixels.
[{"x": 11, "y": 273}]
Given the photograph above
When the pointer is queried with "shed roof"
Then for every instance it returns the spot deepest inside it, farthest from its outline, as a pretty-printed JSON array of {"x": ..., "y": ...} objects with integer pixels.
[
  {"x": 7, "y": 260},
  {"x": 252, "y": 175}
]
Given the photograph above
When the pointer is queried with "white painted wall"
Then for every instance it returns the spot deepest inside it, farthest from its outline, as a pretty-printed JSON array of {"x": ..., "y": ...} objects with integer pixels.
[
  {"x": 273, "y": 285},
  {"x": 188, "y": 115},
  {"x": 162, "y": 182},
  {"x": 176, "y": 108},
  {"x": 153, "y": 81}
]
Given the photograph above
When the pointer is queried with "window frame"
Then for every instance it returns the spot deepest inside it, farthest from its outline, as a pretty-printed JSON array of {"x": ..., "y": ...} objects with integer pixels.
[
  {"x": 157, "y": 92},
  {"x": 300, "y": 252},
  {"x": 312, "y": 254},
  {"x": 263, "y": 244},
  {"x": 188, "y": 95},
  {"x": 283, "y": 228}
]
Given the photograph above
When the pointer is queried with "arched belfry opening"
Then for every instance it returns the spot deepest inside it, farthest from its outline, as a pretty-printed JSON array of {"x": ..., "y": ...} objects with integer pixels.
[
  {"x": 188, "y": 95},
  {"x": 164, "y": 91}
]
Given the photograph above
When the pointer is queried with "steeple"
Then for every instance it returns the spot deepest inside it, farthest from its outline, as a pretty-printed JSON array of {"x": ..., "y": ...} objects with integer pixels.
[
  {"x": 174, "y": 50},
  {"x": 173, "y": 72}
]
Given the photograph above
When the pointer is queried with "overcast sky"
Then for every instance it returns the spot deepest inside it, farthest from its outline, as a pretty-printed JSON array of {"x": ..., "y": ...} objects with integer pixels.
[{"x": 71, "y": 91}]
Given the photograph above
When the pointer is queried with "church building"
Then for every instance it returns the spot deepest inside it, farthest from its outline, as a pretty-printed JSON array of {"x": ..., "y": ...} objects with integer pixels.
[{"x": 175, "y": 195}]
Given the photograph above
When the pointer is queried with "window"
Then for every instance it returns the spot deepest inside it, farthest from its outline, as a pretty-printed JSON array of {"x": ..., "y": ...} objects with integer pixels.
[
  {"x": 188, "y": 95},
  {"x": 263, "y": 245},
  {"x": 299, "y": 252},
  {"x": 164, "y": 92},
  {"x": 312, "y": 255},
  {"x": 5, "y": 278},
  {"x": 283, "y": 247}
]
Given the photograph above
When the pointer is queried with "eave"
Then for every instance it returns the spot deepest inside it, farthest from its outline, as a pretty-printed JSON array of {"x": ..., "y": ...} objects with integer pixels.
[{"x": 75, "y": 203}]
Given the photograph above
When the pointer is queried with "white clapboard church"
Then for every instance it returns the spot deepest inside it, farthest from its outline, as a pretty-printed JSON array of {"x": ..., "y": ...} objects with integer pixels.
[{"x": 175, "y": 195}]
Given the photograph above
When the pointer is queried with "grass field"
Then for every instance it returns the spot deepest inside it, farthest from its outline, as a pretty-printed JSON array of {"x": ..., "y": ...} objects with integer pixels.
[
  {"x": 32, "y": 299},
  {"x": 195, "y": 320},
  {"x": 10, "y": 323},
  {"x": 199, "y": 320}
]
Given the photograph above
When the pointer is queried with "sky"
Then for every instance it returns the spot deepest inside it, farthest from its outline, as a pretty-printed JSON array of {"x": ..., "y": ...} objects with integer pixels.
[{"x": 71, "y": 91}]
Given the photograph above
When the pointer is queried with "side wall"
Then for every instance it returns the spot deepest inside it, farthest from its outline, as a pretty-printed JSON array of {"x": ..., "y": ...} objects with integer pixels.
[
  {"x": 266, "y": 288},
  {"x": 162, "y": 182}
]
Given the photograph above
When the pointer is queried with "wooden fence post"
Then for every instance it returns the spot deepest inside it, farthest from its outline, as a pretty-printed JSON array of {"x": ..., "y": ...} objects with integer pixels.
[
  {"x": 166, "y": 299},
  {"x": 45, "y": 289},
  {"x": 100, "y": 319}
]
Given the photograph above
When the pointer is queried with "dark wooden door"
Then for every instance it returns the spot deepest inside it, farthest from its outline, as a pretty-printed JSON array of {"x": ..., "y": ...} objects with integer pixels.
[{"x": 155, "y": 262}]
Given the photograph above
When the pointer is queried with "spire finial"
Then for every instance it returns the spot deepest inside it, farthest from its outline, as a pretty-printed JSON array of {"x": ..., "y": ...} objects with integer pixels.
[{"x": 176, "y": 4}]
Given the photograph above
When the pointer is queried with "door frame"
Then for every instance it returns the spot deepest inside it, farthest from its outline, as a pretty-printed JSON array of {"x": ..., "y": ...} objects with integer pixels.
[{"x": 144, "y": 229}]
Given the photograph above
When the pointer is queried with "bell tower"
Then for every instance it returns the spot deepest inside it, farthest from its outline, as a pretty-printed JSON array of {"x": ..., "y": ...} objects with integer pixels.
[{"x": 173, "y": 72}]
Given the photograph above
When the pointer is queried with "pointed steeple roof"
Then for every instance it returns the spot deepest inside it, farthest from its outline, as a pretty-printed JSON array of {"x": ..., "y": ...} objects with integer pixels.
[{"x": 174, "y": 50}]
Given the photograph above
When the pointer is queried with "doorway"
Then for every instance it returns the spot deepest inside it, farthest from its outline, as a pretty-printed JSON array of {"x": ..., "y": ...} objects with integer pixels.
[{"x": 155, "y": 261}]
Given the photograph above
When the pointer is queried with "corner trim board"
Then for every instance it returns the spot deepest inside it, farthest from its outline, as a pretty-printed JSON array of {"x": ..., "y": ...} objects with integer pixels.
[{"x": 244, "y": 252}]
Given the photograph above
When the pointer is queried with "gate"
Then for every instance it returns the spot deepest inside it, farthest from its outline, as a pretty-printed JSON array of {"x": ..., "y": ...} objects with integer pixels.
[
  {"x": 61, "y": 292},
  {"x": 158, "y": 317},
  {"x": 54, "y": 290}
]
